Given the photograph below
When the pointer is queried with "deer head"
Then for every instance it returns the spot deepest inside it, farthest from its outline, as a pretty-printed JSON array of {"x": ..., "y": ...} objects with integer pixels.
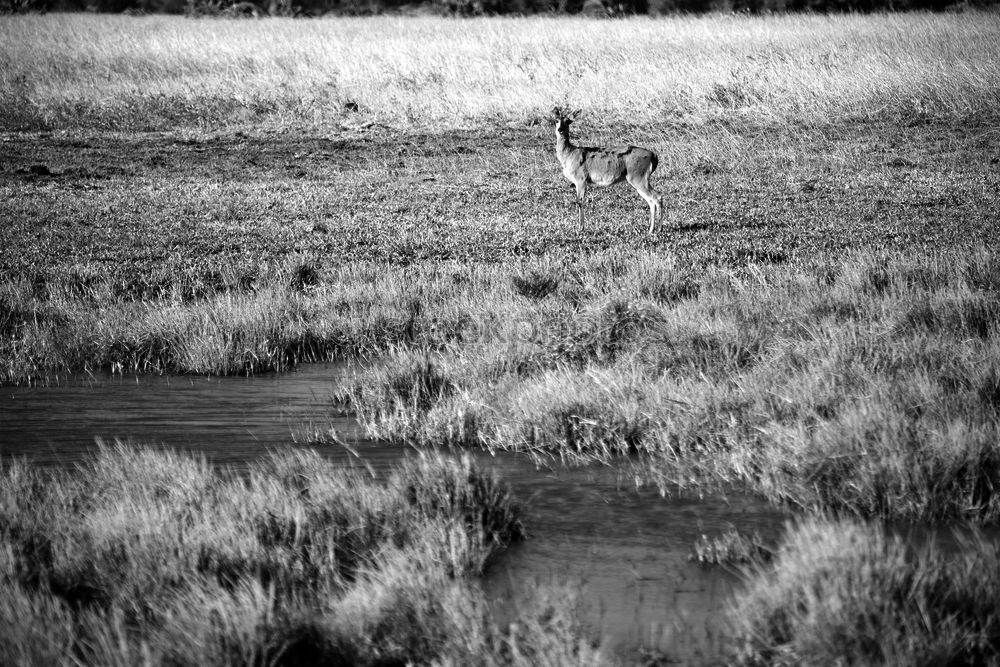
[{"x": 562, "y": 118}]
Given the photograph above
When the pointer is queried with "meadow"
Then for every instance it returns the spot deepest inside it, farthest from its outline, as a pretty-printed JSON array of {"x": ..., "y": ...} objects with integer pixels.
[{"x": 816, "y": 321}]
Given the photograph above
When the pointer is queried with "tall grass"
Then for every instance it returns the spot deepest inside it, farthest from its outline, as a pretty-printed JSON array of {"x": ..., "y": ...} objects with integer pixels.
[
  {"x": 841, "y": 592},
  {"x": 128, "y": 73},
  {"x": 143, "y": 557}
]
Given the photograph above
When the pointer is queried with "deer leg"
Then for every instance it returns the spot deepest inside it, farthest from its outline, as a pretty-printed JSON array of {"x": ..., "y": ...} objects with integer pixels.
[
  {"x": 581, "y": 196},
  {"x": 651, "y": 196},
  {"x": 655, "y": 212}
]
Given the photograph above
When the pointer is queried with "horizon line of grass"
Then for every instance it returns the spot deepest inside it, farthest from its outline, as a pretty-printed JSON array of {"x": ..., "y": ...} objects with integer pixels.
[{"x": 161, "y": 72}]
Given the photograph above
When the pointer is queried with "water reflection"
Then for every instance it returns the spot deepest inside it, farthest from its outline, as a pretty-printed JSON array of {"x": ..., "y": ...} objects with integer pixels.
[{"x": 627, "y": 549}]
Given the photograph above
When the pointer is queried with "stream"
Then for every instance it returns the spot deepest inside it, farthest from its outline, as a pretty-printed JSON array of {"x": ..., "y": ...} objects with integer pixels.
[{"x": 625, "y": 549}]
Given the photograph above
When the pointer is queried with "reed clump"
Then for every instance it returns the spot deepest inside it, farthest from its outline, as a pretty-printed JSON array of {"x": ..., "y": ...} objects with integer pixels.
[
  {"x": 732, "y": 547},
  {"x": 152, "y": 557},
  {"x": 844, "y": 592}
]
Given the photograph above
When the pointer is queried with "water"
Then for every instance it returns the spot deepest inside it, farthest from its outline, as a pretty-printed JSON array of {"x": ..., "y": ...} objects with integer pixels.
[
  {"x": 627, "y": 550},
  {"x": 230, "y": 420}
]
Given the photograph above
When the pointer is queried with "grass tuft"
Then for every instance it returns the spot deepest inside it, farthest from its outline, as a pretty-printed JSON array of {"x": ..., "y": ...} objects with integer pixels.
[
  {"x": 305, "y": 275},
  {"x": 536, "y": 285},
  {"x": 841, "y": 592},
  {"x": 732, "y": 547}
]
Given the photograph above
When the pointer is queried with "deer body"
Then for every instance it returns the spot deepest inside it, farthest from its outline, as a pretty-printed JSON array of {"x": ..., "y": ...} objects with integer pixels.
[{"x": 586, "y": 165}]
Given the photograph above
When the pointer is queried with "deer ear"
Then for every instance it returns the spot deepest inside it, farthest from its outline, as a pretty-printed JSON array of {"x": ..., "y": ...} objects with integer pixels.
[{"x": 574, "y": 115}]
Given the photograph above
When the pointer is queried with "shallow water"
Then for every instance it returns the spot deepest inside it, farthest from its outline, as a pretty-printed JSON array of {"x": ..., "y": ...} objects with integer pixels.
[
  {"x": 627, "y": 550},
  {"x": 228, "y": 419}
]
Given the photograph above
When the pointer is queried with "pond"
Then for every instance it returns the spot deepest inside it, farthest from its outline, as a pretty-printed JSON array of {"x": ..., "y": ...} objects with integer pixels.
[{"x": 626, "y": 549}]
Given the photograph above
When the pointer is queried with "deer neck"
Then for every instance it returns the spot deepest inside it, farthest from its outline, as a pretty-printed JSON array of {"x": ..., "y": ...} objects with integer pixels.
[{"x": 563, "y": 145}]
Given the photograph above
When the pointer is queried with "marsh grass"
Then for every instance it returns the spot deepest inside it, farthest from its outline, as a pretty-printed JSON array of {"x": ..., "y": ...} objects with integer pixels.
[
  {"x": 843, "y": 592},
  {"x": 146, "y": 73},
  {"x": 152, "y": 557},
  {"x": 867, "y": 386}
]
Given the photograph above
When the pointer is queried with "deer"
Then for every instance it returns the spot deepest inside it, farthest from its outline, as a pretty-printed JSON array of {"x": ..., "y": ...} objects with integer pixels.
[{"x": 586, "y": 165}]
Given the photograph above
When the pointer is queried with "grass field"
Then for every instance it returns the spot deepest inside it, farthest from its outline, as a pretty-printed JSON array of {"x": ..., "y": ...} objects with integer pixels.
[
  {"x": 157, "y": 72},
  {"x": 816, "y": 320}
]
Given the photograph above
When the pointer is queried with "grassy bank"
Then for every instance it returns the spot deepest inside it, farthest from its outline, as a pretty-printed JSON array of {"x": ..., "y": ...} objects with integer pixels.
[
  {"x": 142, "y": 557},
  {"x": 868, "y": 385},
  {"x": 128, "y": 73}
]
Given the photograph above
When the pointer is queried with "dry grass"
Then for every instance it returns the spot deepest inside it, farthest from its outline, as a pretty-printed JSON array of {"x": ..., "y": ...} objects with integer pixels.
[{"x": 128, "y": 73}]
